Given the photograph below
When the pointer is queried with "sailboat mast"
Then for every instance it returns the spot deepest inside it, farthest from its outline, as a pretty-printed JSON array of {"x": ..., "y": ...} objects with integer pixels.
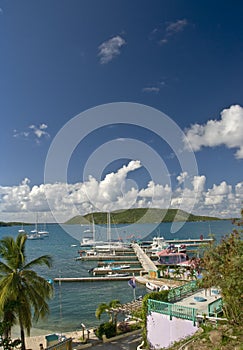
[
  {"x": 36, "y": 223},
  {"x": 93, "y": 228},
  {"x": 109, "y": 227}
]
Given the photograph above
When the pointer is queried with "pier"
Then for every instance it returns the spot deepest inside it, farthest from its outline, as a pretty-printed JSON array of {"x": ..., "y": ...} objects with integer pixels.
[
  {"x": 106, "y": 271},
  {"x": 113, "y": 262},
  {"x": 104, "y": 258},
  {"x": 91, "y": 279},
  {"x": 143, "y": 258},
  {"x": 189, "y": 242}
]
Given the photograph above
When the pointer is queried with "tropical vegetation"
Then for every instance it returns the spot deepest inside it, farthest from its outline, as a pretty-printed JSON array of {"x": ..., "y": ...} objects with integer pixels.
[
  {"x": 223, "y": 264},
  {"x": 24, "y": 294},
  {"x": 6, "y": 342},
  {"x": 108, "y": 328},
  {"x": 140, "y": 215}
]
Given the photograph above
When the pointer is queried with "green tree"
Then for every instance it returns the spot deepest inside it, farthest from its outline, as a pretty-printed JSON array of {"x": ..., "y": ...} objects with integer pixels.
[
  {"x": 23, "y": 293},
  {"x": 6, "y": 342},
  {"x": 223, "y": 264},
  {"x": 177, "y": 272},
  {"x": 112, "y": 309}
]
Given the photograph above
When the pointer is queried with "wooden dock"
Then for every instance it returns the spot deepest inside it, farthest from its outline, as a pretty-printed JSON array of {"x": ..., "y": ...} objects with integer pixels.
[
  {"x": 189, "y": 242},
  {"x": 120, "y": 258},
  {"x": 143, "y": 258},
  {"x": 97, "y": 272},
  {"x": 113, "y": 262},
  {"x": 91, "y": 279}
]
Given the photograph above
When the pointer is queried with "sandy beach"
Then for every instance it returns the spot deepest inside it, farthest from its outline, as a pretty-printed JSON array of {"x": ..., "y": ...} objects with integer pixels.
[{"x": 33, "y": 342}]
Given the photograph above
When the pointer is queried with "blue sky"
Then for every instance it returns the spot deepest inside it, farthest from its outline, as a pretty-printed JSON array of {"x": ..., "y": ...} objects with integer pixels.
[{"x": 61, "y": 58}]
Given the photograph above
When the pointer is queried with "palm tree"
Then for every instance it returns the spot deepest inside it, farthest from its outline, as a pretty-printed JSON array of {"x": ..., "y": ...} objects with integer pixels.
[
  {"x": 110, "y": 309},
  {"x": 21, "y": 287}
]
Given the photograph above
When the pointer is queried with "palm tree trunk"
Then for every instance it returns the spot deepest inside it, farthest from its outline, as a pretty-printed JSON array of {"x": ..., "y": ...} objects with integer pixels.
[{"x": 22, "y": 337}]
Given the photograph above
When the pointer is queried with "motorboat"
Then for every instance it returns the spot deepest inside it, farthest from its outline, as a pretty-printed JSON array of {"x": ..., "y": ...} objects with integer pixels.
[
  {"x": 89, "y": 242},
  {"x": 152, "y": 286},
  {"x": 158, "y": 244},
  {"x": 121, "y": 267},
  {"x": 155, "y": 288},
  {"x": 117, "y": 275}
]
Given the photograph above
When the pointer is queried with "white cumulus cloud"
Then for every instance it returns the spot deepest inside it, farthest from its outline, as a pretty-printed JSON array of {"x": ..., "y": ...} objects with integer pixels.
[
  {"x": 111, "y": 48},
  {"x": 227, "y": 131},
  {"x": 116, "y": 191}
]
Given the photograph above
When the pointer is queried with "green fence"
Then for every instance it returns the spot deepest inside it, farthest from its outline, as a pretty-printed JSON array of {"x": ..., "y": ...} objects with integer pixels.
[
  {"x": 182, "y": 291},
  {"x": 179, "y": 311},
  {"x": 215, "y": 307}
]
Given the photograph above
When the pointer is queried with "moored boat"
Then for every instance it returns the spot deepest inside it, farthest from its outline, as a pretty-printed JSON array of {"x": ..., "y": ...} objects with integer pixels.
[
  {"x": 121, "y": 267},
  {"x": 117, "y": 275},
  {"x": 152, "y": 286},
  {"x": 155, "y": 288},
  {"x": 34, "y": 236},
  {"x": 44, "y": 231},
  {"x": 22, "y": 230}
]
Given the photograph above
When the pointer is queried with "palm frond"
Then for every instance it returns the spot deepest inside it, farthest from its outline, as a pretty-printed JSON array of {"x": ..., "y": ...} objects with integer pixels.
[{"x": 42, "y": 260}]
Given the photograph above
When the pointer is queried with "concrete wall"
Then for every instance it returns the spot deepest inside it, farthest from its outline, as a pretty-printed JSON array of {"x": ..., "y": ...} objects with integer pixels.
[{"x": 163, "y": 332}]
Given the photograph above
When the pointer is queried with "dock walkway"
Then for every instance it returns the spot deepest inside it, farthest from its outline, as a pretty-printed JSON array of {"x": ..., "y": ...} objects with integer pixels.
[
  {"x": 143, "y": 258},
  {"x": 91, "y": 279}
]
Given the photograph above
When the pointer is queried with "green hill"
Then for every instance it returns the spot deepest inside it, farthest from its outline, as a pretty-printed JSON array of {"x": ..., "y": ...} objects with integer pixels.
[
  {"x": 12, "y": 223},
  {"x": 140, "y": 215}
]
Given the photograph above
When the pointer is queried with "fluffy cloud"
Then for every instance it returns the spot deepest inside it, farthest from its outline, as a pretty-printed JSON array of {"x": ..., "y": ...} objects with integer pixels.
[
  {"x": 33, "y": 132},
  {"x": 227, "y": 131},
  {"x": 218, "y": 194},
  {"x": 115, "y": 192},
  {"x": 109, "y": 49},
  {"x": 39, "y": 131},
  {"x": 171, "y": 30},
  {"x": 176, "y": 26},
  {"x": 198, "y": 183},
  {"x": 182, "y": 177}
]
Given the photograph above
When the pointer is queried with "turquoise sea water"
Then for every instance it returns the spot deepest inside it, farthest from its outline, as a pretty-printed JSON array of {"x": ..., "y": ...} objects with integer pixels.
[{"x": 75, "y": 303}]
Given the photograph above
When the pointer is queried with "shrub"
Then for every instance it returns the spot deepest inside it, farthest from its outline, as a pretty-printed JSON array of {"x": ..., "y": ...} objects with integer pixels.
[
  {"x": 124, "y": 327},
  {"x": 107, "y": 328}
]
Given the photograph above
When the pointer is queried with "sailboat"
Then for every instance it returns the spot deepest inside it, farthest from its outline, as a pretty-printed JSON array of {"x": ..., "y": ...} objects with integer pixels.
[
  {"x": 90, "y": 242},
  {"x": 35, "y": 233},
  {"x": 22, "y": 230},
  {"x": 110, "y": 245},
  {"x": 44, "y": 232}
]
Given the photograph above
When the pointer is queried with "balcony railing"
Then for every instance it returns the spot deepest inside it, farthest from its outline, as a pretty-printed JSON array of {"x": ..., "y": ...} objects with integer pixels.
[
  {"x": 182, "y": 291},
  {"x": 215, "y": 307},
  {"x": 179, "y": 311}
]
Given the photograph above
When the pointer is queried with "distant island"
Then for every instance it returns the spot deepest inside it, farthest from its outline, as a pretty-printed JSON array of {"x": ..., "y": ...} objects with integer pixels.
[
  {"x": 12, "y": 223},
  {"x": 139, "y": 215}
]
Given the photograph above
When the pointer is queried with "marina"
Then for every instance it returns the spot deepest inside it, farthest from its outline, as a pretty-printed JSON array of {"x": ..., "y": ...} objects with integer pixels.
[
  {"x": 76, "y": 299},
  {"x": 148, "y": 258}
]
